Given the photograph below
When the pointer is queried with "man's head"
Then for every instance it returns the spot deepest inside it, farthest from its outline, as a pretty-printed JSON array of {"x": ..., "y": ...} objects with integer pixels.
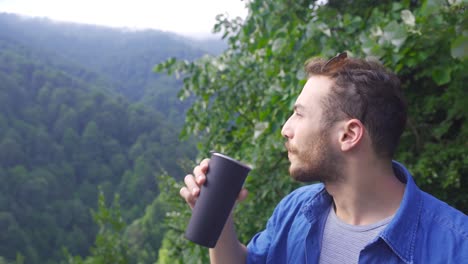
[{"x": 358, "y": 97}]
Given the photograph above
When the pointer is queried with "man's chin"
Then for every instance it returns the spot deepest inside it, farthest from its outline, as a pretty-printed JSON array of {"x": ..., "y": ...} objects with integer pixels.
[{"x": 301, "y": 175}]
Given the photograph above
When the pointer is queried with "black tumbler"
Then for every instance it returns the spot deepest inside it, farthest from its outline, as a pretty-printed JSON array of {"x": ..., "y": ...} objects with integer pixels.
[{"x": 218, "y": 194}]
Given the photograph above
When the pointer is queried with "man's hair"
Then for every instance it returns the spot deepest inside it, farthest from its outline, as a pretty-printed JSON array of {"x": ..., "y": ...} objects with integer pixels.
[{"x": 365, "y": 90}]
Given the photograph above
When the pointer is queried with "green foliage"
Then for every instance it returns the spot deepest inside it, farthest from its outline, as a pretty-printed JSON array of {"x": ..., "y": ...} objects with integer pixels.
[
  {"x": 109, "y": 246},
  {"x": 114, "y": 59},
  {"x": 19, "y": 260},
  {"x": 175, "y": 248},
  {"x": 244, "y": 95},
  {"x": 145, "y": 234},
  {"x": 64, "y": 130}
]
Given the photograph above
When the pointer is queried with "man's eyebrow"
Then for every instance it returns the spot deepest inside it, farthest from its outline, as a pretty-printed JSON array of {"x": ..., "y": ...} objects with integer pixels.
[{"x": 298, "y": 107}]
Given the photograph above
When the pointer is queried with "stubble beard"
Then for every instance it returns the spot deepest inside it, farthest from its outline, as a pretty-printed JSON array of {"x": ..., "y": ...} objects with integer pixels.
[{"x": 319, "y": 162}]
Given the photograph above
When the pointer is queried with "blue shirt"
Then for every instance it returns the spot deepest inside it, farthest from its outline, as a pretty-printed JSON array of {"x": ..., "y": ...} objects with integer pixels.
[{"x": 424, "y": 230}]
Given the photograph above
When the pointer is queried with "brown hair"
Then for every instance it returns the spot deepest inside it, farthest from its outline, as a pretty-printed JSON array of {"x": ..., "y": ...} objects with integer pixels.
[{"x": 365, "y": 90}]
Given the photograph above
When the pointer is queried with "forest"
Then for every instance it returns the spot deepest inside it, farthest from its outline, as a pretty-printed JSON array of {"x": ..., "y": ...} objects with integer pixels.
[
  {"x": 98, "y": 126},
  {"x": 82, "y": 113}
]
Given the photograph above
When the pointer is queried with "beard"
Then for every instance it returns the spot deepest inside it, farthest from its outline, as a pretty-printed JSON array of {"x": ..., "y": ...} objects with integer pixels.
[{"x": 316, "y": 161}]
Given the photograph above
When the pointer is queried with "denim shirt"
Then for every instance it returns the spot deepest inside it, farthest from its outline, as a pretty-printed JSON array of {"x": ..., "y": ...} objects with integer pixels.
[{"x": 423, "y": 230}]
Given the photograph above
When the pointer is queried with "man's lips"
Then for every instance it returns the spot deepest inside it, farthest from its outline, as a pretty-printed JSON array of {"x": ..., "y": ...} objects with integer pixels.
[{"x": 290, "y": 149}]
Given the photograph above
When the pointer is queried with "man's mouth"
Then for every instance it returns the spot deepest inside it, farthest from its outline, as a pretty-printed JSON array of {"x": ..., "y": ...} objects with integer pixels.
[{"x": 289, "y": 148}]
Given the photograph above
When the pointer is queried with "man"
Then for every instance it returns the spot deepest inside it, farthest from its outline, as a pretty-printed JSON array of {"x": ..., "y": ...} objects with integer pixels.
[{"x": 346, "y": 125}]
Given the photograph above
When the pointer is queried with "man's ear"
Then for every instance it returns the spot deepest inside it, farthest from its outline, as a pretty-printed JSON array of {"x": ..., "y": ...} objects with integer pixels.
[{"x": 351, "y": 134}]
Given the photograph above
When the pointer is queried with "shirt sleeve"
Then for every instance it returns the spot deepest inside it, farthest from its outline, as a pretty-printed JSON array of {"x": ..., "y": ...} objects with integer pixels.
[
  {"x": 259, "y": 245},
  {"x": 270, "y": 244}
]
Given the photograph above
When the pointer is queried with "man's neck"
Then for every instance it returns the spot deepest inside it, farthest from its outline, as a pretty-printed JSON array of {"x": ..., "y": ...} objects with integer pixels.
[{"x": 368, "y": 192}]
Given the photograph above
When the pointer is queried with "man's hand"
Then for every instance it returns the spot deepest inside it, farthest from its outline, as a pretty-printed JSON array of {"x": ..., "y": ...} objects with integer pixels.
[
  {"x": 193, "y": 183},
  {"x": 228, "y": 249}
]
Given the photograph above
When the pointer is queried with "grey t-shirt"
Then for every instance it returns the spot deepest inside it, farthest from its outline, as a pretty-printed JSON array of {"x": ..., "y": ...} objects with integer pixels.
[{"x": 343, "y": 242}]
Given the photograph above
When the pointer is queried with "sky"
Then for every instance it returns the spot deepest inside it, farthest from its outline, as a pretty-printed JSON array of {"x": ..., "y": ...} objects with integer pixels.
[{"x": 193, "y": 18}]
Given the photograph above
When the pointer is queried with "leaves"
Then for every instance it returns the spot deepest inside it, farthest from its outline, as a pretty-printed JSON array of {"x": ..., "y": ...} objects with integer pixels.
[
  {"x": 408, "y": 18},
  {"x": 441, "y": 75},
  {"x": 393, "y": 33},
  {"x": 459, "y": 47},
  {"x": 109, "y": 246}
]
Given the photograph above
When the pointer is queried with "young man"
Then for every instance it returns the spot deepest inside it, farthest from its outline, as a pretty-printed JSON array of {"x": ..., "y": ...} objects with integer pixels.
[{"x": 346, "y": 124}]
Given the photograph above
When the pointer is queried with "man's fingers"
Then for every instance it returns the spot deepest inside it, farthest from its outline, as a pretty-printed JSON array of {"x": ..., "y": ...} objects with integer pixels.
[
  {"x": 200, "y": 172},
  {"x": 199, "y": 175},
  {"x": 191, "y": 185},
  {"x": 204, "y": 165},
  {"x": 190, "y": 191},
  {"x": 187, "y": 195},
  {"x": 242, "y": 195}
]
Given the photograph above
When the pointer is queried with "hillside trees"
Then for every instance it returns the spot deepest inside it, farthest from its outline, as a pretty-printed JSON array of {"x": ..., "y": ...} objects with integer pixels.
[
  {"x": 60, "y": 138},
  {"x": 244, "y": 95},
  {"x": 108, "y": 246}
]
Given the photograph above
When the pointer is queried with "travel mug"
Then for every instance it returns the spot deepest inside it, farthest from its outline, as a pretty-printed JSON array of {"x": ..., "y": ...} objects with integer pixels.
[{"x": 218, "y": 194}]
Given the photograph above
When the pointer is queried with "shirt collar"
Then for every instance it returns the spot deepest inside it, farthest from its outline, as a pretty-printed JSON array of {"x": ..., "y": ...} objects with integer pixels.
[
  {"x": 400, "y": 234},
  {"x": 318, "y": 205}
]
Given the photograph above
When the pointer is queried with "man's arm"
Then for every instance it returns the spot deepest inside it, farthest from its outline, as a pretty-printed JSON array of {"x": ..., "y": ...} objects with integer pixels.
[{"x": 228, "y": 249}]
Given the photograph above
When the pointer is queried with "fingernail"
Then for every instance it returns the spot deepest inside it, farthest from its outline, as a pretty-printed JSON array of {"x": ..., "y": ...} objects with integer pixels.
[{"x": 196, "y": 190}]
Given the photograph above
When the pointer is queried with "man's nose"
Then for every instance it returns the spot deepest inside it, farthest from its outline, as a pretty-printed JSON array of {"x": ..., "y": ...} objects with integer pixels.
[{"x": 286, "y": 131}]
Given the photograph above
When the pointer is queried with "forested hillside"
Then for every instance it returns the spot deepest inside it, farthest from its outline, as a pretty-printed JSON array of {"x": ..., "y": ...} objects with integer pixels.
[
  {"x": 123, "y": 58},
  {"x": 80, "y": 108}
]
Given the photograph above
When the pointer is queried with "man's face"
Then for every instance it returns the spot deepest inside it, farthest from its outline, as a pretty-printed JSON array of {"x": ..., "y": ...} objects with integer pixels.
[{"x": 311, "y": 151}]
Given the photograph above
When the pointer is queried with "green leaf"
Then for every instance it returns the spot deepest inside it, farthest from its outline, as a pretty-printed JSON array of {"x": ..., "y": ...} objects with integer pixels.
[
  {"x": 441, "y": 75},
  {"x": 278, "y": 45},
  {"x": 459, "y": 47},
  {"x": 408, "y": 18},
  {"x": 395, "y": 34}
]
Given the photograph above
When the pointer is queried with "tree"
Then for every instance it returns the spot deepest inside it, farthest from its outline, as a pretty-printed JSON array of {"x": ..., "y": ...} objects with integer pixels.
[
  {"x": 90, "y": 143},
  {"x": 11, "y": 153},
  {"x": 144, "y": 235},
  {"x": 109, "y": 247},
  {"x": 244, "y": 95}
]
